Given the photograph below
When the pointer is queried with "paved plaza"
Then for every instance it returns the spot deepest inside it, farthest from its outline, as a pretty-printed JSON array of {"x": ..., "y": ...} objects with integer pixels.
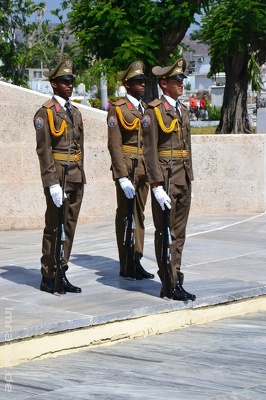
[
  {"x": 223, "y": 360},
  {"x": 214, "y": 348}
]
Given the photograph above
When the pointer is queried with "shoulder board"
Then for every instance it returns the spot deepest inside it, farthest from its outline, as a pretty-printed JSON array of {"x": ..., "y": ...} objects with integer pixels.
[
  {"x": 48, "y": 104},
  {"x": 155, "y": 103},
  {"x": 119, "y": 102}
]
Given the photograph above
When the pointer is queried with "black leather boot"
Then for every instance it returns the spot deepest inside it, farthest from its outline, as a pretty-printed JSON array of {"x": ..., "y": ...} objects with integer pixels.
[
  {"x": 131, "y": 274},
  {"x": 140, "y": 270},
  {"x": 68, "y": 287},
  {"x": 162, "y": 296},
  {"x": 179, "y": 293},
  {"x": 47, "y": 285},
  {"x": 130, "y": 271}
]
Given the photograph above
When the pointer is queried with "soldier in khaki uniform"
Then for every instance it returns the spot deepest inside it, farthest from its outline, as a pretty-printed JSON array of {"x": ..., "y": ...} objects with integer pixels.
[
  {"x": 125, "y": 144},
  {"x": 167, "y": 141},
  {"x": 60, "y": 136}
]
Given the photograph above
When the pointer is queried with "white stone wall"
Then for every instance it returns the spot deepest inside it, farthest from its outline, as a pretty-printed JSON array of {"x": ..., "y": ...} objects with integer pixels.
[
  {"x": 229, "y": 172},
  {"x": 21, "y": 193},
  {"x": 229, "y": 169}
]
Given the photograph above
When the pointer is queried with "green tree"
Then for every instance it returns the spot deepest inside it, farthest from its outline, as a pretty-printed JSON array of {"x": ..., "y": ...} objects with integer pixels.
[
  {"x": 236, "y": 33},
  {"x": 17, "y": 35},
  {"x": 118, "y": 32},
  {"x": 27, "y": 40}
]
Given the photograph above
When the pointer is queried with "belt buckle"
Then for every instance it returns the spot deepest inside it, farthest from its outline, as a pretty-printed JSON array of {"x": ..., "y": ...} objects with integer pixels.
[
  {"x": 76, "y": 157},
  {"x": 184, "y": 153}
]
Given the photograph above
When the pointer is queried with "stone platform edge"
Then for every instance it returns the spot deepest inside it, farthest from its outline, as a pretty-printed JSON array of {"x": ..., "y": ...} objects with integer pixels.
[{"x": 73, "y": 336}]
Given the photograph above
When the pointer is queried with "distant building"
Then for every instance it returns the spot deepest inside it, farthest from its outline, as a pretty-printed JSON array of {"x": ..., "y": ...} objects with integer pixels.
[
  {"x": 37, "y": 81},
  {"x": 198, "y": 69},
  {"x": 198, "y": 65}
]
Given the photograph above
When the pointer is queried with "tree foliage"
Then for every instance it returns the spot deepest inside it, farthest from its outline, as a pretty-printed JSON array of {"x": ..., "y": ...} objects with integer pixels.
[
  {"x": 117, "y": 32},
  {"x": 236, "y": 27},
  {"x": 236, "y": 33},
  {"x": 14, "y": 21},
  {"x": 27, "y": 40}
]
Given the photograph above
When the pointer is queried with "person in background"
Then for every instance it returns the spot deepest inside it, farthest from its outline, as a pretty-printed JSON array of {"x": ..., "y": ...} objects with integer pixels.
[
  {"x": 167, "y": 142},
  {"x": 124, "y": 144},
  {"x": 60, "y": 137},
  {"x": 203, "y": 107},
  {"x": 193, "y": 107}
]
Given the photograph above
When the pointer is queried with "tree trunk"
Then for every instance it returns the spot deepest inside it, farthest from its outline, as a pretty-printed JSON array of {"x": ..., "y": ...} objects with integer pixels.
[
  {"x": 234, "y": 115},
  {"x": 151, "y": 89}
]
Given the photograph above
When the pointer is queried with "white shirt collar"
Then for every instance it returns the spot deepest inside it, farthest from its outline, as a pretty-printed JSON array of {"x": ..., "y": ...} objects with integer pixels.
[
  {"x": 60, "y": 100},
  {"x": 170, "y": 100},
  {"x": 133, "y": 100}
]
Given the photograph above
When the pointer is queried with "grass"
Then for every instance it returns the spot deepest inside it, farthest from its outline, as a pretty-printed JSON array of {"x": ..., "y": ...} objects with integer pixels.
[{"x": 203, "y": 130}]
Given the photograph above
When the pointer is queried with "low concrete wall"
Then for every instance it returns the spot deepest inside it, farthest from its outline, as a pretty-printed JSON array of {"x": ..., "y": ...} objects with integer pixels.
[
  {"x": 229, "y": 169},
  {"x": 21, "y": 193},
  {"x": 229, "y": 174}
]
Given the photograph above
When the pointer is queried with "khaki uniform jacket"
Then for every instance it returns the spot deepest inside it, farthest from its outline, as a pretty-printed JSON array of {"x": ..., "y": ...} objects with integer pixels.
[
  {"x": 47, "y": 143},
  {"x": 122, "y": 163},
  {"x": 156, "y": 140},
  {"x": 119, "y": 136}
]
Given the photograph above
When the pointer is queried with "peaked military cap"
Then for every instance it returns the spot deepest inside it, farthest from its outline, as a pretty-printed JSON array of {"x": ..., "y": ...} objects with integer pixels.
[
  {"x": 134, "y": 71},
  {"x": 64, "y": 70},
  {"x": 174, "y": 71}
]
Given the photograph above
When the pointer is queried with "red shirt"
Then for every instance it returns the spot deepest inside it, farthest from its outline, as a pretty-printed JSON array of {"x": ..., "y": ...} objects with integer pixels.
[
  {"x": 203, "y": 104},
  {"x": 193, "y": 103}
]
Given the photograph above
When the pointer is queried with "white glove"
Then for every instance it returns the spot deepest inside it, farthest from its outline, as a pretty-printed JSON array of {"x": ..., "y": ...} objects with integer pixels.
[
  {"x": 162, "y": 197},
  {"x": 127, "y": 186},
  {"x": 192, "y": 198},
  {"x": 56, "y": 193}
]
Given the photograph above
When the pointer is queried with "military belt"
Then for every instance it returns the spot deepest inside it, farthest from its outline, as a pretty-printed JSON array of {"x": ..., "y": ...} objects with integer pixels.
[
  {"x": 175, "y": 153},
  {"x": 131, "y": 149},
  {"x": 64, "y": 156}
]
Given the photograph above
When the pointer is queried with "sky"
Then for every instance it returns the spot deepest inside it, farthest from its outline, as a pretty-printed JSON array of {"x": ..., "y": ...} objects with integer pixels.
[{"x": 51, "y": 5}]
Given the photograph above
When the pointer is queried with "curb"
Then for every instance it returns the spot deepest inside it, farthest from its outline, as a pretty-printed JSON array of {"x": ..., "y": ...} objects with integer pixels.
[{"x": 52, "y": 344}]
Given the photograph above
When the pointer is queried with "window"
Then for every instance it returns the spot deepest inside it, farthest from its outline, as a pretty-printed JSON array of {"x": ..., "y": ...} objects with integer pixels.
[{"x": 37, "y": 74}]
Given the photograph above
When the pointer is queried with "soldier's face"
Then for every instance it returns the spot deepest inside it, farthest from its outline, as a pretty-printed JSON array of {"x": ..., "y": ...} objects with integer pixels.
[
  {"x": 172, "y": 87},
  {"x": 135, "y": 87},
  {"x": 62, "y": 87}
]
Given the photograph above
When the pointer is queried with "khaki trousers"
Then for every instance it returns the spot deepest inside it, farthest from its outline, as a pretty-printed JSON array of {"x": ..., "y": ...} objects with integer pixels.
[
  {"x": 179, "y": 212},
  {"x": 74, "y": 192},
  {"x": 142, "y": 190}
]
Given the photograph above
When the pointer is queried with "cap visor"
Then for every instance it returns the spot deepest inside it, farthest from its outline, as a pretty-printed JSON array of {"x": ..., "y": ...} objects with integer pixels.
[
  {"x": 66, "y": 77},
  {"x": 138, "y": 77},
  {"x": 178, "y": 76}
]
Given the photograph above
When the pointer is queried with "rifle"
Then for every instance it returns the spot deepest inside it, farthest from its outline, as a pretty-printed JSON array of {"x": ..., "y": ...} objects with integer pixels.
[
  {"x": 60, "y": 239},
  {"x": 130, "y": 225},
  {"x": 166, "y": 242}
]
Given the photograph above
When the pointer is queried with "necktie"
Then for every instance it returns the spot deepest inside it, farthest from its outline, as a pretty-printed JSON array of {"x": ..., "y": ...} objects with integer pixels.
[
  {"x": 140, "y": 108},
  {"x": 69, "y": 109},
  {"x": 178, "y": 108}
]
